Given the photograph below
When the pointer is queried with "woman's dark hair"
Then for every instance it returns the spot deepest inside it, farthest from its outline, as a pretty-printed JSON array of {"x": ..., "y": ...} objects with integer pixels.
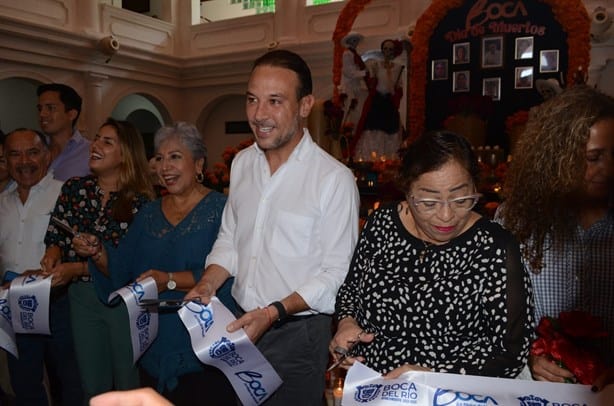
[
  {"x": 282, "y": 58},
  {"x": 430, "y": 152}
]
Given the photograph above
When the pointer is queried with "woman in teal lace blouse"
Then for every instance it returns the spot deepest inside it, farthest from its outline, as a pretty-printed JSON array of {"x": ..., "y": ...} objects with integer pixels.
[{"x": 169, "y": 241}]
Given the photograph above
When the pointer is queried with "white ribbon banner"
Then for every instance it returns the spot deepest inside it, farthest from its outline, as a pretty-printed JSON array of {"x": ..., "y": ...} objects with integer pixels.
[
  {"x": 250, "y": 374},
  {"x": 364, "y": 386},
  {"x": 143, "y": 319},
  {"x": 29, "y": 300},
  {"x": 7, "y": 334}
]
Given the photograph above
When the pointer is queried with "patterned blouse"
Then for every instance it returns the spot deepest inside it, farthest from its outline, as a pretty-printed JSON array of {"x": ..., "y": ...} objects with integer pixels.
[
  {"x": 79, "y": 205},
  {"x": 462, "y": 307}
]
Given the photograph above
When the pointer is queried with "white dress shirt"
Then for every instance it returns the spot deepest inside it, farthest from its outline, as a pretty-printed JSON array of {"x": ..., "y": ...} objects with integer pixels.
[
  {"x": 294, "y": 231},
  {"x": 23, "y": 226}
]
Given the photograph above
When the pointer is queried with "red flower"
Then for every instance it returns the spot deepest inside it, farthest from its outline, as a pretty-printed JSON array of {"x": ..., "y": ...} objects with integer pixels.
[{"x": 568, "y": 341}]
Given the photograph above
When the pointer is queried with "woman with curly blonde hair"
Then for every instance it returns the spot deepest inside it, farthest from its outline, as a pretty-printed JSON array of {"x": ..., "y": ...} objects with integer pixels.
[{"x": 558, "y": 203}]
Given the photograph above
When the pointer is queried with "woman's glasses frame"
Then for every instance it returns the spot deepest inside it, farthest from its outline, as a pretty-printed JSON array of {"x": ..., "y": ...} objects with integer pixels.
[{"x": 457, "y": 204}]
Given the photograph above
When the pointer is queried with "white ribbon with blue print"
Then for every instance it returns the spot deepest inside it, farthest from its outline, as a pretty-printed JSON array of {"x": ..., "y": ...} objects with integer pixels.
[
  {"x": 250, "y": 374},
  {"x": 7, "y": 334},
  {"x": 29, "y": 301},
  {"x": 365, "y": 386},
  {"x": 143, "y": 319}
]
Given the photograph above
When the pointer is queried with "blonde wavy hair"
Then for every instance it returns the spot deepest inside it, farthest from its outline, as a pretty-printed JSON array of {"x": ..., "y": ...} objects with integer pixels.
[
  {"x": 546, "y": 176},
  {"x": 134, "y": 169}
]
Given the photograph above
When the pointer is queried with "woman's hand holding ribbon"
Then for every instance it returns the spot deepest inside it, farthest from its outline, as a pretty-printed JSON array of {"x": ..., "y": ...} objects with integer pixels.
[
  {"x": 349, "y": 333},
  {"x": 51, "y": 259}
]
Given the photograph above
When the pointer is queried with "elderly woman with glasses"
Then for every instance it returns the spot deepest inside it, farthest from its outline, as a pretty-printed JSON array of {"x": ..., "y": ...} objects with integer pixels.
[{"x": 432, "y": 284}]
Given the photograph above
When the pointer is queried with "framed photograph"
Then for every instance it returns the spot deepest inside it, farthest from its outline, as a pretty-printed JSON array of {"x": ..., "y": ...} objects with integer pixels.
[
  {"x": 549, "y": 60},
  {"x": 439, "y": 69},
  {"x": 523, "y": 77},
  {"x": 492, "y": 87},
  {"x": 461, "y": 81},
  {"x": 461, "y": 53},
  {"x": 492, "y": 52},
  {"x": 524, "y": 48}
]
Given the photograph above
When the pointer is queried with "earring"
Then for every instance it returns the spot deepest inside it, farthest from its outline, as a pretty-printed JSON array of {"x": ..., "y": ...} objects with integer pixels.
[{"x": 200, "y": 178}]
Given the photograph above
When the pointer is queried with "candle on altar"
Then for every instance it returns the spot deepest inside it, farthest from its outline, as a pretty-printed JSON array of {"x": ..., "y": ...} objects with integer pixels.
[{"x": 337, "y": 396}]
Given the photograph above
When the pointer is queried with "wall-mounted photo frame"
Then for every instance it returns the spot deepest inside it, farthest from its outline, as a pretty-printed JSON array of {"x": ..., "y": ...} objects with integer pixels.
[
  {"x": 524, "y": 48},
  {"x": 492, "y": 52},
  {"x": 439, "y": 69},
  {"x": 492, "y": 87},
  {"x": 461, "y": 81},
  {"x": 460, "y": 53},
  {"x": 523, "y": 77},
  {"x": 549, "y": 60}
]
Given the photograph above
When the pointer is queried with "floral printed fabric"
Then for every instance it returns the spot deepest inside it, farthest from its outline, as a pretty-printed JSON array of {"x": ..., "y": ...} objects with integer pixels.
[{"x": 79, "y": 205}]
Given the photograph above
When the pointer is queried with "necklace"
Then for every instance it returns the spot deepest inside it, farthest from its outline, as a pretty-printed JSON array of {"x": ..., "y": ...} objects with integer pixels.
[{"x": 424, "y": 251}]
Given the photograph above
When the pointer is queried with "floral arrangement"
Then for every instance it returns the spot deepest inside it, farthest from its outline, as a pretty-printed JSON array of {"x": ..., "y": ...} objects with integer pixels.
[
  {"x": 568, "y": 340},
  {"x": 219, "y": 177}
]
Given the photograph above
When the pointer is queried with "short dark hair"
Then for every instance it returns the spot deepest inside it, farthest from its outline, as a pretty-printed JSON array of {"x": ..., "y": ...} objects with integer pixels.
[
  {"x": 433, "y": 150},
  {"x": 69, "y": 96},
  {"x": 282, "y": 58},
  {"x": 39, "y": 134}
]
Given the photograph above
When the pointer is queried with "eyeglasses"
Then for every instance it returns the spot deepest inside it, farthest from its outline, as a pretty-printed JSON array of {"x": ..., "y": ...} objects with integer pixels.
[{"x": 459, "y": 204}]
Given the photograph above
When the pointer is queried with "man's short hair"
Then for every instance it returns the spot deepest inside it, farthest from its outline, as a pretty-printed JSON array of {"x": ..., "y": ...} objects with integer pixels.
[
  {"x": 69, "y": 96},
  {"x": 282, "y": 58},
  {"x": 40, "y": 135}
]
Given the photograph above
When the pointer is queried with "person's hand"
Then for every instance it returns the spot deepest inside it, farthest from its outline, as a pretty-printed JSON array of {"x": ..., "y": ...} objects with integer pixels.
[
  {"x": 395, "y": 373},
  {"x": 255, "y": 323},
  {"x": 52, "y": 257},
  {"x": 64, "y": 273},
  {"x": 349, "y": 333},
  {"x": 160, "y": 277},
  {"x": 606, "y": 378},
  {"x": 86, "y": 245},
  {"x": 202, "y": 291},
  {"x": 544, "y": 369},
  {"x": 135, "y": 397}
]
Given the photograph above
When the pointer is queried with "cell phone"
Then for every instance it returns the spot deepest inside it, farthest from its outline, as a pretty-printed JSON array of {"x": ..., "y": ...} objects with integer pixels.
[{"x": 9, "y": 276}]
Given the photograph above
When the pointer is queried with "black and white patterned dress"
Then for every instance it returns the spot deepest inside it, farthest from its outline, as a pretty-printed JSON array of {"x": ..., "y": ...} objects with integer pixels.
[{"x": 464, "y": 307}]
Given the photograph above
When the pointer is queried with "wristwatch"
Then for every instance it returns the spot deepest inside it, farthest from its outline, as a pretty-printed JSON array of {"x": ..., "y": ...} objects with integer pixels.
[{"x": 171, "y": 284}]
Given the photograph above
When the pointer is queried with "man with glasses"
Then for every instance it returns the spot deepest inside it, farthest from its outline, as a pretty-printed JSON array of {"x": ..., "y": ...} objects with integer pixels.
[
  {"x": 434, "y": 285},
  {"x": 59, "y": 107}
]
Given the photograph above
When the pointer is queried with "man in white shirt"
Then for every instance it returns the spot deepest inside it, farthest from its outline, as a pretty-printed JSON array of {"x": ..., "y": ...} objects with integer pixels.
[
  {"x": 288, "y": 231},
  {"x": 24, "y": 216}
]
